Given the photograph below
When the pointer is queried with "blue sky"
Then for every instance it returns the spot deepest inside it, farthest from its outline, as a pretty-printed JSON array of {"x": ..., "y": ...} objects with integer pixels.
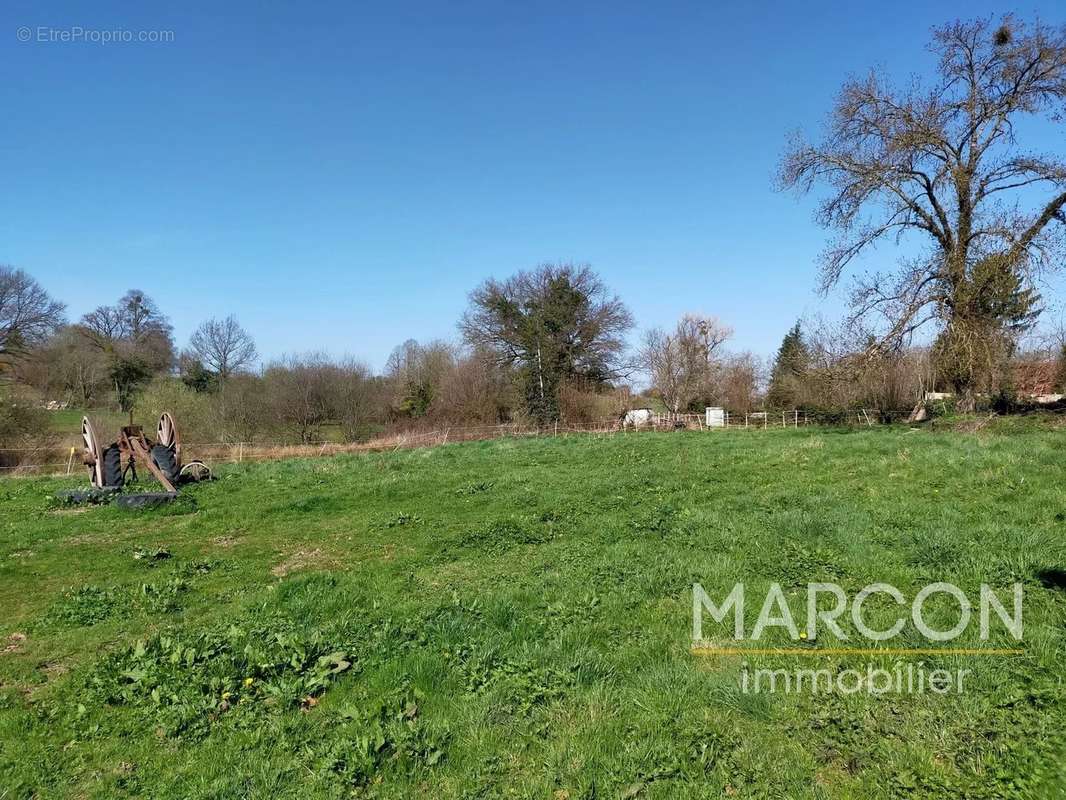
[{"x": 340, "y": 175}]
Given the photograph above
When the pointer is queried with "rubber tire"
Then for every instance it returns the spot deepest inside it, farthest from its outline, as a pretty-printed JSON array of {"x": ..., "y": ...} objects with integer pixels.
[
  {"x": 92, "y": 496},
  {"x": 164, "y": 458},
  {"x": 145, "y": 501},
  {"x": 112, "y": 470}
]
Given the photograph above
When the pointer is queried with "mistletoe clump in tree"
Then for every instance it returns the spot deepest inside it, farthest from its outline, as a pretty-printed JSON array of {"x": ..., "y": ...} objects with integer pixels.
[{"x": 942, "y": 163}]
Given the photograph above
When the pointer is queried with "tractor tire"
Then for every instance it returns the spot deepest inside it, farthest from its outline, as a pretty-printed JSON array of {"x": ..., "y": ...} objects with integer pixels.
[
  {"x": 112, "y": 468},
  {"x": 167, "y": 461}
]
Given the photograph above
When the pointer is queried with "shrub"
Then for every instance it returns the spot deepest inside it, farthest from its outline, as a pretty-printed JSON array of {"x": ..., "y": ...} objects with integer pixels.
[
  {"x": 584, "y": 404},
  {"x": 196, "y": 413},
  {"x": 23, "y": 427}
]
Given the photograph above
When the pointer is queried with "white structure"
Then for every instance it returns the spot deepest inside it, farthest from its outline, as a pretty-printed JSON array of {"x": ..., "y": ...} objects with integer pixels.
[
  {"x": 715, "y": 417},
  {"x": 637, "y": 418}
]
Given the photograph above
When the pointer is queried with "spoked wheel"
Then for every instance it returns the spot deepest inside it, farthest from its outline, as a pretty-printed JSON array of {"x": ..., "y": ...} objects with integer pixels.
[
  {"x": 195, "y": 471},
  {"x": 167, "y": 434},
  {"x": 94, "y": 456}
]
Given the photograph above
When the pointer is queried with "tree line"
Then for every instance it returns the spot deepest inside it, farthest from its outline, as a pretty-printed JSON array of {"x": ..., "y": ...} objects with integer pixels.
[
  {"x": 544, "y": 345},
  {"x": 938, "y": 164}
]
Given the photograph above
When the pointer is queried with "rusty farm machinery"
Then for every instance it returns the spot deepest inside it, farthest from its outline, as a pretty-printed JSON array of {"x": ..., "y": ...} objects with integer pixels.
[{"x": 112, "y": 465}]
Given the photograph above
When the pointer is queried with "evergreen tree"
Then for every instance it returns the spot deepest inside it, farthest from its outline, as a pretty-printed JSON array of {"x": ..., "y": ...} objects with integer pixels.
[{"x": 790, "y": 366}]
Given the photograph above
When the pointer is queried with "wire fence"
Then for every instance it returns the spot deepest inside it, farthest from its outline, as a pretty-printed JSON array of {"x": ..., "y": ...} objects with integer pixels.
[{"x": 55, "y": 458}]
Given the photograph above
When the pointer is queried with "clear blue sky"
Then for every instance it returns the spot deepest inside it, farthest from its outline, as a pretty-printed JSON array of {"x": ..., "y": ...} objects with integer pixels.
[{"x": 341, "y": 174}]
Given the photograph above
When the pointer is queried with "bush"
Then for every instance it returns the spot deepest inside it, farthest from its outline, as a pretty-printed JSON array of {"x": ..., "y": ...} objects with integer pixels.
[
  {"x": 242, "y": 409},
  {"x": 23, "y": 427},
  {"x": 196, "y": 414},
  {"x": 581, "y": 405}
]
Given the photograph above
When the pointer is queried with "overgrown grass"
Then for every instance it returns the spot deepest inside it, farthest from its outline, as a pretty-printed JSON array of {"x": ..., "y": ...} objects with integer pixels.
[
  {"x": 66, "y": 424},
  {"x": 513, "y": 618}
]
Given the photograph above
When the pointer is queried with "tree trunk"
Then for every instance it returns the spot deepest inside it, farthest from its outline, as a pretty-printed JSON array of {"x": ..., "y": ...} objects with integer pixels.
[{"x": 966, "y": 399}]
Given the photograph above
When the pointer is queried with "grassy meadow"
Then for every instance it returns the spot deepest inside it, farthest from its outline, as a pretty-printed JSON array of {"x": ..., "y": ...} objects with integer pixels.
[{"x": 513, "y": 619}]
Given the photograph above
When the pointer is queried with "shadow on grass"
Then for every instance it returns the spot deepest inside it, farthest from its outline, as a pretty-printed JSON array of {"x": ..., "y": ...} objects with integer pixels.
[{"x": 1052, "y": 578}]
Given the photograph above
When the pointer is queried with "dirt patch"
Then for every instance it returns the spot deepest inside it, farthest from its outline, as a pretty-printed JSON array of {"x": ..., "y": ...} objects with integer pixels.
[
  {"x": 88, "y": 538},
  {"x": 974, "y": 425},
  {"x": 303, "y": 559},
  {"x": 53, "y": 669},
  {"x": 224, "y": 541},
  {"x": 69, "y": 512},
  {"x": 13, "y": 643}
]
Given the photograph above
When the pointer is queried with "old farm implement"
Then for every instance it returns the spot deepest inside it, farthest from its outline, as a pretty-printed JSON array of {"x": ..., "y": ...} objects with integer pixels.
[{"x": 114, "y": 464}]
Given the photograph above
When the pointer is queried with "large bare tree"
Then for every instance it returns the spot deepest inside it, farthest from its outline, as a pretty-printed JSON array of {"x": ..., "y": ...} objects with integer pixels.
[
  {"x": 223, "y": 346},
  {"x": 943, "y": 162},
  {"x": 681, "y": 362},
  {"x": 28, "y": 315}
]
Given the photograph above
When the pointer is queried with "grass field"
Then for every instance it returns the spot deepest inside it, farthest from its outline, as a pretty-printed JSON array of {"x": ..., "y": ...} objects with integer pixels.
[{"x": 513, "y": 619}]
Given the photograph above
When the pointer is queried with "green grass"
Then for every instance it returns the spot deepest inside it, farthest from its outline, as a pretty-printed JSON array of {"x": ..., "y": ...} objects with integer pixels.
[
  {"x": 512, "y": 619},
  {"x": 67, "y": 423}
]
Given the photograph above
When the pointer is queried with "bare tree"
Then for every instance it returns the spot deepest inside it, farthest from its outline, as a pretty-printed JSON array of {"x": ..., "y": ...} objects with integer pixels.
[
  {"x": 68, "y": 366},
  {"x": 299, "y": 393},
  {"x": 244, "y": 408},
  {"x": 414, "y": 373},
  {"x": 942, "y": 163},
  {"x": 223, "y": 346},
  {"x": 478, "y": 390},
  {"x": 681, "y": 363},
  {"x": 555, "y": 323},
  {"x": 737, "y": 385},
  {"x": 357, "y": 400},
  {"x": 28, "y": 315}
]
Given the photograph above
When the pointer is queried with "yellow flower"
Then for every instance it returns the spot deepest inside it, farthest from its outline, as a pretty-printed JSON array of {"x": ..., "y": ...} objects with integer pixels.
[
  {"x": 227, "y": 695},
  {"x": 249, "y": 681}
]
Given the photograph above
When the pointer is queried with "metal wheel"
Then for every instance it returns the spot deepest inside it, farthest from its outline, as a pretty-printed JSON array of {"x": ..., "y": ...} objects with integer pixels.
[
  {"x": 94, "y": 454},
  {"x": 167, "y": 433},
  {"x": 196, "y": 471}
]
